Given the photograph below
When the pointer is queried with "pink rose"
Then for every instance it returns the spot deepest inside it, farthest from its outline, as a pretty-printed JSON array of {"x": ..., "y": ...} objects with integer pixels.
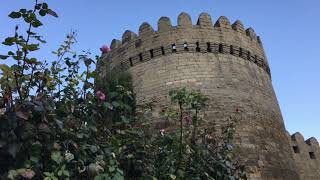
[
  {"x": 187, "y": 119},
  {"x": 28, "y": 174},
  {"x": 101, "y": 95},
  {"x": 104, "y": 49},
  {"x": 208, "y": 136}
]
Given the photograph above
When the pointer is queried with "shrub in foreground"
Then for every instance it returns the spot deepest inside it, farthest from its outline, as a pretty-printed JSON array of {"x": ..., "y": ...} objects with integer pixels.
[{"x": 56, "y": 124}]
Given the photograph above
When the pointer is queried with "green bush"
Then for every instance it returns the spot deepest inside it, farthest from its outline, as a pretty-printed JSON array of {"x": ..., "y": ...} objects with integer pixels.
[{"x": 56, "y": 124}]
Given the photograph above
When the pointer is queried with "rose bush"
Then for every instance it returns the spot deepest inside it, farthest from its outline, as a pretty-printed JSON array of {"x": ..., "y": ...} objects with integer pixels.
[{"x": 56, "y": 123}]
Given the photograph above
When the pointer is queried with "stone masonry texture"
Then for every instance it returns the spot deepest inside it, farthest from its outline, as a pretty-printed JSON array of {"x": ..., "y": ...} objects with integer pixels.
[{"x": 227, "y": 63}]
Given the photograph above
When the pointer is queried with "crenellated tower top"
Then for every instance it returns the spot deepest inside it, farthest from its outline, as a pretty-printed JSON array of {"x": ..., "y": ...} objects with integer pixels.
[{"x": 204, "y": 37}]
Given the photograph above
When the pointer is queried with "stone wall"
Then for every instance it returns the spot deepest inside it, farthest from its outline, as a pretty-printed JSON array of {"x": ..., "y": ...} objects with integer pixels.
[
  {"x": 225, "y": 62},
  {"x": 306, "y": 155}
]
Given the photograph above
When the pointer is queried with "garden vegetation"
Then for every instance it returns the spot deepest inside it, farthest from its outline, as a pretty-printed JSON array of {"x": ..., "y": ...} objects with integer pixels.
[{"x": 55, "y": 123}]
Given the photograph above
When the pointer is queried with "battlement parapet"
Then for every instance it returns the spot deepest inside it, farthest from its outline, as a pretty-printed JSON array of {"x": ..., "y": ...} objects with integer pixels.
[
  {"x": 298, "y": 139},
  {"x": 306, "y": 154},
  {"x": 173, "y": 48},
  {"x": 204, "y": 37},
  {"x": 309, "y": 147}
]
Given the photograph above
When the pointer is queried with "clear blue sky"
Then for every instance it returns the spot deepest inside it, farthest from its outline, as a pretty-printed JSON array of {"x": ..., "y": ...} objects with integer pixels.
[{"x": 289, "y": 30}]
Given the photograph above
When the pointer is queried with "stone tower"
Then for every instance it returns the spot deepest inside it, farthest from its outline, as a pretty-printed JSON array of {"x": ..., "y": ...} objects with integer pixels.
[{"x": 228, "y": 64}]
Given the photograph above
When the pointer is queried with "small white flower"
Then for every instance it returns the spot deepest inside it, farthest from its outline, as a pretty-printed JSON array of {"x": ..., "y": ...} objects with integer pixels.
[
  {"x": 68, "y": 156},
  {"x": 2, "y": 111},
  {"x": 162, "y": 131},
  {"x": 81, "y": 170}
]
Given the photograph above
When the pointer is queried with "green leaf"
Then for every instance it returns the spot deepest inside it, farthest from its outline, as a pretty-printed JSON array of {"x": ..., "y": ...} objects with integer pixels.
[
  {"x": 4, "y": 57},
  {"x": 88, "y": 61},
  {"x": 120, "y": 171},
  {"x": 36, "y": 23},
  {"x": 93, "y": 148},
  {"x": 113, "y": 94},
  {"x": 43, "y": 12},
  {"x": 27, "y": 19},
  {"x": 39, "y": 39},
  {"x": 124, "y": 119},
  {"x": 37, "y": 6},
  {"x": 33, "y": 47},
  {"x": 4, "y": 68},
  {"x": 98, "y": 178},
  {"x": 15, "y": 15},
  {"x": 56, "y": 156},
  {"x": 173, "y": 176},
  {"x": 118, "y": 177},
  {"x": 107, "y": 105},
  {"x": 68, "y": 63},
  {"x": 59, "y": 173},
  {"x": 44, "y": 6},
  {"x": 115, "y": 104},
  {"x": 23, "y": 11},
  {"x": 80, "y": 135},
  {"x": 16, "y": 67},
  {"x": 19, "y": 54},
  {"x": 34, "y": 159},
  {"x": 32, "y": 61},
  {"x": 93, "y": 128},
  {"x": 9, "y": 41},
  {"x": 31, "y": 33},
  {"x": 127, "y": 107},
  {"x": 10, "y": 53},
  {"x": 52, "y": 13},
  {"x": 66, "y": 173},
  {"x": 93, "y": 74},
  {"x": 111, "y": 169}
]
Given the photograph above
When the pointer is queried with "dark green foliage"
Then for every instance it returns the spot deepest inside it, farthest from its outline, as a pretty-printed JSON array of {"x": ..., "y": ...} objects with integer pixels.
[
  {"x": 56, "y": 124},
  {"x": 119, "y": 88}
]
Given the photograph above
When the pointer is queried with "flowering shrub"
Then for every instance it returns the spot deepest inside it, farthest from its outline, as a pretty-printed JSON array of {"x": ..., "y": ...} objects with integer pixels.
[
  {"x": 191, "y": 149},
  {"x": 55, "y": 123},
  {"x": 104, "y": 49},
  {"x": 101, "y": 95}
]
